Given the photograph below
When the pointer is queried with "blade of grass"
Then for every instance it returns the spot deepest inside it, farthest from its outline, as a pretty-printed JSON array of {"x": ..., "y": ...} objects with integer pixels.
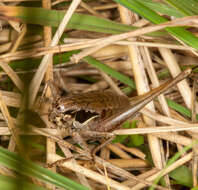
[
  {"x": 42, "y": 16},
  {"x": 163, "y": 8},
  {"x": 9, "y": 183},
  {"x": 27, "y": 168},
  {"x": 28, "y": 64},
  {"x": 141, "y": 9},
  {"x": 108, "y": 70},
  {"x": 185, "y": 7},
  {"x": 32, "y": 63},
  {"x": 32, "y": 15},
  {"x": 179, "y": 108}
]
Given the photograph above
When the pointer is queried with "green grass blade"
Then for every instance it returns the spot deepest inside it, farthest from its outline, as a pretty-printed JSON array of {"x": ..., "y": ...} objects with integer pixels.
[
  {"x": 108, "y": 70},
  {"x": 141, "y": 9},
  {"x": 163, "y": 8},
  {"x": 186, "y": 7},
  {"x": 40, "y": 16},
  {"x": 11, "y": 183},
  {"x": 27, "y": 168},
  {"x": 33, "y": 63},
  {"x": 179, "y": 108}
]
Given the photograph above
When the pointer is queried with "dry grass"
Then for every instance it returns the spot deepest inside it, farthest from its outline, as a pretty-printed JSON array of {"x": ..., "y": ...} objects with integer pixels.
[{"x": 143, "y": 58}]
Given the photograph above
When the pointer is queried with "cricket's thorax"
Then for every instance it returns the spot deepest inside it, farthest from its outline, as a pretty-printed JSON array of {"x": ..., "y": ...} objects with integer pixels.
[{"x": 85, "y": 106}]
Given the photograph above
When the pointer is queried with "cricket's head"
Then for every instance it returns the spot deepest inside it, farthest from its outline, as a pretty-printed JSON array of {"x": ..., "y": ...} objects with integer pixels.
[
  {"x": 58, "y": 114},
  {"x": 64, "y": 114}
]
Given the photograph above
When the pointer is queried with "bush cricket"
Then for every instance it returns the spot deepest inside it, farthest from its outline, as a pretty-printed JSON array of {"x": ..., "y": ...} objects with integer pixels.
[{"x": 96, "y": 113}]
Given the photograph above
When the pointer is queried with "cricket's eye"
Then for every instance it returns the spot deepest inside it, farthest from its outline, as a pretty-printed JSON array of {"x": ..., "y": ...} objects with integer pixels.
[{"x": 61, "y": 108}]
